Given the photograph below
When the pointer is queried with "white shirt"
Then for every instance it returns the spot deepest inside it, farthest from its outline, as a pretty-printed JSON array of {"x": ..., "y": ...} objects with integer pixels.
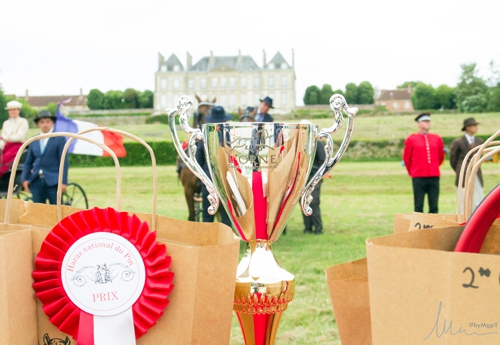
[
  {"x": 14, "y": 130},
  {"x": 470, "y": 139}
]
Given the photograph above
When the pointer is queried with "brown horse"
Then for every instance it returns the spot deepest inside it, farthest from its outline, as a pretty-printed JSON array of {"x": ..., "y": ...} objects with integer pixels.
[
  {"x": 188, "y": 179},
  {"x": 247, "y": 115}
]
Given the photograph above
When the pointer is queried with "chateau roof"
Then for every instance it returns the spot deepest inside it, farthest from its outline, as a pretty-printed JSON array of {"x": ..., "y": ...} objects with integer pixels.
[
  {"x": 238, "y": 62},
  {"x": 278, "y": 59},
  {"x": 390, "y": 95},
  {"x": 42, "y": 101},
  {"x": 172, "y": 61}
]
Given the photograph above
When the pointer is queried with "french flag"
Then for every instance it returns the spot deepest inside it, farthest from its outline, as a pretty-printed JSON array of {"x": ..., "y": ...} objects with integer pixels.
[{"x": 113, "y": 140}]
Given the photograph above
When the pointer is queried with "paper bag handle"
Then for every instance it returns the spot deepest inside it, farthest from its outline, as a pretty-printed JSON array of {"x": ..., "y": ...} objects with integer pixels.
[
  {"x": 15, "y": 164},
  {"x": 472, "y": 237},
  {"x": 133, "y": 137}
]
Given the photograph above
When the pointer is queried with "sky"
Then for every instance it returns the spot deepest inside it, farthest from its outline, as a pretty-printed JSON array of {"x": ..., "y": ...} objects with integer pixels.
[{"x": 56, "y": 47}]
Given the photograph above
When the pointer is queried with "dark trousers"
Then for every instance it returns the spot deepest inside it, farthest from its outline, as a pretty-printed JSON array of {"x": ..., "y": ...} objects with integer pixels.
[
  {"x": 422, "y": 186},
  {"x": 206, "y": 204},
  {"x": 315, "y": 218},
  {"x": 41, "y": 192}
]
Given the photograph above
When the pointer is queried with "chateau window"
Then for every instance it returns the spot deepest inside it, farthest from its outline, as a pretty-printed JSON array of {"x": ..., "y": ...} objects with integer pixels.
[
  {"x": 223, "y": 100},
  {"x": 243, "y": 83},
  {"x": 270, "y": 81},
  {"x": 232, "y": 101},
  {"x": 163, "y": 101},
  {"x": 256, "y": 82},
  {"x": 176, "y": 68},
  {"x": 176, "y": 99},
  {"x": 395, "y": 105},
  {"x": 223, "y": 83},
  {"x": 232, "y": 83},
  {"x": 176, "y": 84},
  {"x": 284, "y": 81},
  {"x": 203, "y": 83},
  {"x": 243, "y": 100},
  {"x": 214, "y": 83},
  {"x": 407, "y": 105},
  {"x": 163, "y": 83},
  {"x": 191, "y": 84},
  {"x": 283, "y": 99},
  {"x": 256, "y": 99}
]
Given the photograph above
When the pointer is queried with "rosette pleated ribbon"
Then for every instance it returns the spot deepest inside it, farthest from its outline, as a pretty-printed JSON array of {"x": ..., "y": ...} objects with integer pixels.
[{"x": 69, "y": 287}]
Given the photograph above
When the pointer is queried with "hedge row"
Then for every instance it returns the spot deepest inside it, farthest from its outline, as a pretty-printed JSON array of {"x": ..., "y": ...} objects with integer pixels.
[{"x": 137, "y": 155}]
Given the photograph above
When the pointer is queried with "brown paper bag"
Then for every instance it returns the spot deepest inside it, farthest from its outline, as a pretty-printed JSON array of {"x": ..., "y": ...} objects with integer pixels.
[
  {"x": 204, "y": 259},
  {"x": 421, "y": 292},
  {"x": 348, "y": 285}
]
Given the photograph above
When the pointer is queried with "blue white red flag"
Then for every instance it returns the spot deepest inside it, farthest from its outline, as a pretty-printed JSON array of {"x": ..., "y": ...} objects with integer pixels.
[{"x": 113, "y": 140}]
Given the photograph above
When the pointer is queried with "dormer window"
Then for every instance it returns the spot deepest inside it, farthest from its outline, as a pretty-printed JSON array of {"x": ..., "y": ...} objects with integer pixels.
[
  {"x": 176, "y": 68},
  {"x": 283, "y": 65},
  {"x": 164, "y": 68},
  {"x": 271, "y": 65}
]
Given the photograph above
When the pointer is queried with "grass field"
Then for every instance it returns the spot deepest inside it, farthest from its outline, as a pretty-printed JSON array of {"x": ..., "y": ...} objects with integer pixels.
[
  {"x": 366, "y": 127},
  {"x": 358, "y": 202}
]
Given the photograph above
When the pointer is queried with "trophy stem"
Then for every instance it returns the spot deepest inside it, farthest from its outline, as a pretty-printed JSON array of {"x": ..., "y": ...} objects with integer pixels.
[{"x": 263, "y": 291}]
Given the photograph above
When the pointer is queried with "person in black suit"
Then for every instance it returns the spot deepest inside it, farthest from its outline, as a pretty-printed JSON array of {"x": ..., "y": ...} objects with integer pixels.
[
  {"x": 41, "y": 168},
  {"x": 262, "y": 115},
  {"x": 459, "y": 149}
]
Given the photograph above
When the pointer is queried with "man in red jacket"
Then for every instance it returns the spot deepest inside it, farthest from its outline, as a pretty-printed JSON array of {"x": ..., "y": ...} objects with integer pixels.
[{"x": 423, "y": 154}]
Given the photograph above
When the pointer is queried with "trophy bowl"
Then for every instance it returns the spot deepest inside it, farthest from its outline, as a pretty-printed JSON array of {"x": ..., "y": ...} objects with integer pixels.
[{"x": 259, "y": 171}]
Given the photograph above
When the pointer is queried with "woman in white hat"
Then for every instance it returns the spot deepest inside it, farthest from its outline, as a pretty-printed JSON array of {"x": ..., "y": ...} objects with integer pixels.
[{"x": 14, "y": 132}]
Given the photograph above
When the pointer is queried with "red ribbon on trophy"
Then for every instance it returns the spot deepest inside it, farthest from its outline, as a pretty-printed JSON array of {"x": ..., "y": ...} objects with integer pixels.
[{"x": 102, "y": 277}]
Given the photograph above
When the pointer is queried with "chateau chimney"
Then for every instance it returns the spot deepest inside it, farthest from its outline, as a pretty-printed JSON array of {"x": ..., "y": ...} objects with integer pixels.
[
  {"x": 189, "y": 59},
  {"x": 81, "y": 92},
  {"x": 161, "y": 60},
  {"x": 211, "y": 61},
  {"x": 27, "y": 96},
  {"x": 264, "y": 58},
  {"x": 239, "y": 61},
  {"x": 409, "y": 89},
  {"x": 293, "y": 58}
]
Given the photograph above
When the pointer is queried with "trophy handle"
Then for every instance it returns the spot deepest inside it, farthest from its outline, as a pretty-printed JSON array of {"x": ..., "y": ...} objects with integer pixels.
[
  {"x": 337, "y": 103},
  {"x": 183, "y": 105}
]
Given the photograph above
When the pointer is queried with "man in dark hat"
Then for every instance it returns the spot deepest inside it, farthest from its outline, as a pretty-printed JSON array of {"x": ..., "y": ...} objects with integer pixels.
[
  {"x": 423, "y": 154},
  {"x": 459, "y": 149},
  {"x": 262, "y": 115},
  {"x": 41, "y": 168},
  {"x": 217, "y": 115}
]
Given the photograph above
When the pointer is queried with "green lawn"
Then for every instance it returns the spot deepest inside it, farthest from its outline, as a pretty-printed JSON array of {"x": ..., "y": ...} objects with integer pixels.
[{"x": 358, "y": 202}]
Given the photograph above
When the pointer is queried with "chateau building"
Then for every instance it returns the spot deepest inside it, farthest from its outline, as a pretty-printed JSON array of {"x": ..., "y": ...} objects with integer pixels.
[
  {"x": 397, "y": 100},
  {"x": 236, "y": 81}
]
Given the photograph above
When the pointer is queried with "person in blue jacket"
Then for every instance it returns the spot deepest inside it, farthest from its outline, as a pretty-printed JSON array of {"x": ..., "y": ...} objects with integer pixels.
[{"x": 41, "y": 168}]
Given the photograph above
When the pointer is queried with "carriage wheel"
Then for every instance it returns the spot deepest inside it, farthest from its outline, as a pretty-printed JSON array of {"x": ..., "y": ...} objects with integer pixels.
[{"x": 75, "y": 196}]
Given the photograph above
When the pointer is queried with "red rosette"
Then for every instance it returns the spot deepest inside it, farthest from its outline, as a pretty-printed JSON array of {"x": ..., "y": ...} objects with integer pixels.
[{"x": 62, "y": 312}]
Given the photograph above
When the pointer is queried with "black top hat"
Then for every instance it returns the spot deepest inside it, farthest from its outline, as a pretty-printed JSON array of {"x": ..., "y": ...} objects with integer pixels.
[
  {"x": 419, "y": 116},
  {"x": 469, "y": 122},
  {"x": 269, "y": 101},
  {"x": 218, "y": 115},
  {"x": 44, "y": 114}
]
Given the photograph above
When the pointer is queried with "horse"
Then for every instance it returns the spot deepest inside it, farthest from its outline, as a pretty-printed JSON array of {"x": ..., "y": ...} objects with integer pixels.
[
  {"x": 188, "y": 179},
  {"x": 247, "y": 115},
  {"x": 55, "y": 341}
]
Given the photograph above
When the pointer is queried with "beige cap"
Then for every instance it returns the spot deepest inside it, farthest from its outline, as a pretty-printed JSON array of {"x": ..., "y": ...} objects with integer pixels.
[{"x": 14, "y": 105}]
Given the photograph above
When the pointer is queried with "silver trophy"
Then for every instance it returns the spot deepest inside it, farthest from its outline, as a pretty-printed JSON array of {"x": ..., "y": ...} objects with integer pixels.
[{"x": 258, "y": 172}]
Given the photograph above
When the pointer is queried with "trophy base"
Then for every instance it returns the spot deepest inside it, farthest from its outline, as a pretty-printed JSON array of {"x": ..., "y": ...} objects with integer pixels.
[{"x": 263, "y": 291}]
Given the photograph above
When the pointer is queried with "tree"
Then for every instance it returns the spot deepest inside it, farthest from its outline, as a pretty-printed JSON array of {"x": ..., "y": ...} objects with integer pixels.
[
  {"x": 494, "y": 99},
  {"x": 365, "y": 93},
  {"x": 95, "y": 99},
  {"x": 3, "y": 113},
  {"x": 326, "y": 94},
  {"x": 475, "y": 103},
  {"x": 351, "y": 93},
  {"x": 52, "y": 107},
  {"x": 445, "y": 97},
  {"x": 130, "y": 99},
  {"x": 145, "y": 99},
  {"x": 405, "y": 85},
  {"x": 113, "y": 99},
  {"x": 312, "y": 95},
  {"x": 470, "y": 85},
  {"x": 424, "y": 97}
]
